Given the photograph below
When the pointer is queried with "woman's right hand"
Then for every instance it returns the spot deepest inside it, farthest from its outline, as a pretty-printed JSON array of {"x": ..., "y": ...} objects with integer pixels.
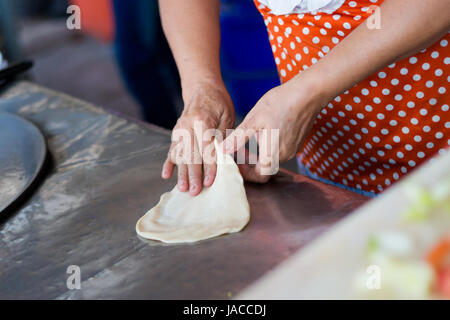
[{"x": 210, "y": 104}]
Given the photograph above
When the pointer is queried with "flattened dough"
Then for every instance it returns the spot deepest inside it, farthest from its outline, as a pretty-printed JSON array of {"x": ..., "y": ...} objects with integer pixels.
[{"x": 219, "y": 209}]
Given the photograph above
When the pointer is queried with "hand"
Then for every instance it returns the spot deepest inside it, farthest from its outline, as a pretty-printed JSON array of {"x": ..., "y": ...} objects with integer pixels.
[
  {"x": 291, "y": 108},
  {"x": 210, "y": 104}
]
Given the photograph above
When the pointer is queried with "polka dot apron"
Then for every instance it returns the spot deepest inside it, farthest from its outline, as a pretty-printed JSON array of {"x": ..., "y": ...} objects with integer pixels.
[{"x": 382, "y": 128}]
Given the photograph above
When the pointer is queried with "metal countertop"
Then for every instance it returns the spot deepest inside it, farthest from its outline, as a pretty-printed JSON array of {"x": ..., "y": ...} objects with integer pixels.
[{"x": 102, "y": 174}]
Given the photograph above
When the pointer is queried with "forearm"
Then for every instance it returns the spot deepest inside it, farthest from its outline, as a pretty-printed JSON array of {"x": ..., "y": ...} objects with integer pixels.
[
  {"x": 193, "y": 32},
  {"x": 407, "y": 27}
]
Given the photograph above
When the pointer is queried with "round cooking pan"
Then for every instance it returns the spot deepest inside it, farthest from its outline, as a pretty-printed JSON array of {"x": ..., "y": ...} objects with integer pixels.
[{"x": 22, "y": 155}]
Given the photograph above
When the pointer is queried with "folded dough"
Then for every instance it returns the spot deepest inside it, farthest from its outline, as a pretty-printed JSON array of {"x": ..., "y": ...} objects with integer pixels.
[{"x": 219, "y": 209}]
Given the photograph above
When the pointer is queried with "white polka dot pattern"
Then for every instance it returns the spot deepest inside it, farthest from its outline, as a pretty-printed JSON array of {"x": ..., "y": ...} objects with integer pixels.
[{"x": 382, "y": 128}]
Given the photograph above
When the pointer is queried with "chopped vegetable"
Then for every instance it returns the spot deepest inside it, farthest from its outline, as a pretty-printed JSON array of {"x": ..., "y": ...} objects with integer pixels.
[
  {"x": 407, "y": 279},
  {"x": 439, "y": 259},
  {"x": 439, "y": 256},
  {"x": 393, "y": 243},
  {"x": 399, "y": 279},
  {"x": 372, "y": 244},
  {"x": 425, "y": 200},
  {"x": 396, "y": 253},
  {"x": 443, "y": 283}
]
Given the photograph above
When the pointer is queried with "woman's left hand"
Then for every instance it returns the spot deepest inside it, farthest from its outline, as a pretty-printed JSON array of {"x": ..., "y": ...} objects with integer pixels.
[{"x": 291, "y": 108}]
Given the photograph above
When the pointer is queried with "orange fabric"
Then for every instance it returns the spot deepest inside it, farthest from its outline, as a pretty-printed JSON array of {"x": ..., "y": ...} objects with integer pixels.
[
  {"x": 97, "y": 18},
  {"x": 382, "y": 128}
]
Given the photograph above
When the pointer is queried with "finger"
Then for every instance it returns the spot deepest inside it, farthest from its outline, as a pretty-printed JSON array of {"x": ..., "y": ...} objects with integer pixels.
[
  {"x": 195, "y": 167},
  {"x": 172, "y": 155},
  {"x": 169, "y": 164},
  {"x": 183, "y": 184},
  {"x": 251, "y": 173},
  {"x": 237, "y": 139},
  {"x": 167, "y": 169},
  {"x": 209, "y": 174},
  {"x": 209, "y": 165},
  {"x": 264, "y": 170},
  {"x": 209, "y": 161},
  {"x": 259, "y": 173},
  {"x": 195, "y": 175},
  {"x": 266, "y": 154}
]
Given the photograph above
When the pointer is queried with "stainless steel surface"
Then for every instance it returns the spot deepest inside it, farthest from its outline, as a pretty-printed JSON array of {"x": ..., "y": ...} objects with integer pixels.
[
  {"x": 105, "y": 175},
  {"x": 22, "y": 154}
]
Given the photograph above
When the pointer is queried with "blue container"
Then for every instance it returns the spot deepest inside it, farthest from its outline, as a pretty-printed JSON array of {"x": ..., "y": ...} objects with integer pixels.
[{"x": 248, "y": 67}]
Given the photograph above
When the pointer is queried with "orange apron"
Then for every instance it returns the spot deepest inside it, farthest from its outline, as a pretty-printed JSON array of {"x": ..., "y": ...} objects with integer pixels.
[{"x": 380, "y": 129}]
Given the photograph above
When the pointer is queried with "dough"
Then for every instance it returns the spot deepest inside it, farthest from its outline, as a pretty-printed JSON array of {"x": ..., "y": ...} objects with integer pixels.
[{"x": 219, "y": 209}]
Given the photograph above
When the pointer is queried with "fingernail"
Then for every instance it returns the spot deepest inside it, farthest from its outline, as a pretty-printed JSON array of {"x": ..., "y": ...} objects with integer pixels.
[{"x": 182, "y": 186}]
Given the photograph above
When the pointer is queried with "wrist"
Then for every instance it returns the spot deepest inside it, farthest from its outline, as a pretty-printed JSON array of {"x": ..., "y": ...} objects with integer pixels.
[
  {"x": 191, "y": 85},
  {"x": 311, "y": 84}
]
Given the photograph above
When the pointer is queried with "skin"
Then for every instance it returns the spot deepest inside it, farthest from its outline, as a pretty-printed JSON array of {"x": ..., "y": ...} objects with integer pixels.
[{"x": 192, "y": 30}]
